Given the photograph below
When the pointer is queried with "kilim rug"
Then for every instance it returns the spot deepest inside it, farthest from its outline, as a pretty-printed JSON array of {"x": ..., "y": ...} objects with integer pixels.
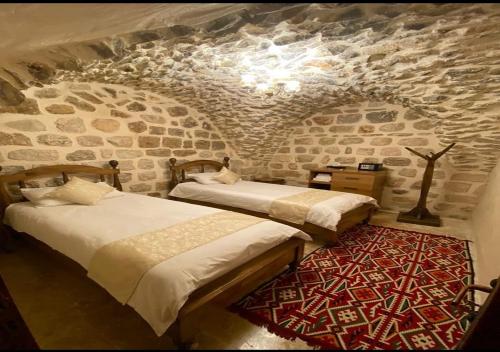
[{"x": 378, "y": 288}]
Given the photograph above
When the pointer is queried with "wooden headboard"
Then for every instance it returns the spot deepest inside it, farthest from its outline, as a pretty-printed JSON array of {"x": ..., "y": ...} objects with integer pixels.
[
  {"x": 43, "y": 171},
  {"x": 200, "y": 164}
]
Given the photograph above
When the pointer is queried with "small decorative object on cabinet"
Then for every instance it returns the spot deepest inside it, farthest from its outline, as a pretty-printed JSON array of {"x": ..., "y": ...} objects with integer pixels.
[
  {"x": 420, "y": 215},
  {"x": 278, "y": 181},
  {"x": 351, "y": 180}
]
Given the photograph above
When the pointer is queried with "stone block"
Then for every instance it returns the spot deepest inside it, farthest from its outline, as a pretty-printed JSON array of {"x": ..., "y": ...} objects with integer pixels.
[
  {"x": 136, "y": 107},
  {"x": 121, "y": 141},
  {"x": 81, "y": 155},
  {"x": 106, "y": 125},
  {"x": 395, "y": 161},
  {"x": 146, "y": 176},
  {"x": 413, "y": 142},
  {"x": 89, "y": 97},
  {"x": 218, "y": 145},
  {"x": 118, "y": 113},
  {"x": 89, "y": 141},
  {"x": 323, "y": 120},
  {"x": 137, "y": 127},
  {"x": 351, "y": 140},
  {"x": 184, "y": 152},
  {"x": 176, "y": 111},
  {"x": 156, "y": 130},
  {"x": 158, "y": 152},
  {"x": 391, "y": 151},
  {"x": 348, "y": 118},
  {"x": 158, "y": 119},
  {"x": 304, "y": 141},
  {"x": 149, "y": 141},
  {"x": 26, "y": 125},
  {"x": 70, "y": 125},
  {"x": 54, "y": 140},
  {"x": 327, "y": 140},
  {"x": 365, "y": 151},
  {"x": 14, "y": 139},
  {"x": 129, "y": 153},
  {"x": 140, "y": 187},
  {"x": 171, "y": 142},
  {"x": 178, "y": 132},
  {"x": 81, "y": 105},
  {"x": 392, "y": 127},
  {"x": 381, "y": 116},
  {"x": 342, "y": 129},
  {"x": 60, "y": 109},
  {"x": 47, "y": 93},
  {"x": 145, "y": 164},
  {"x": 202, "y": 144},
  {"x": 33, "y": 155},
  {"x": 189, "y": 122},
  {"x": 304, "y": 158},
  {"x": 380, "y": 141}
]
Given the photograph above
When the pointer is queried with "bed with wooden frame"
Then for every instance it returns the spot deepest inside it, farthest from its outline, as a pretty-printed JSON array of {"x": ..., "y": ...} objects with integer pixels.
[
  {"x": 361, "y": 214},
  {"x": 224, "y": 290}
]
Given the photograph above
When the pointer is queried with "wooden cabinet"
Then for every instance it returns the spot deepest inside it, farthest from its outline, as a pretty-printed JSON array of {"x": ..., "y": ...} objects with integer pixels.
[{"x": 351, "y": 180}]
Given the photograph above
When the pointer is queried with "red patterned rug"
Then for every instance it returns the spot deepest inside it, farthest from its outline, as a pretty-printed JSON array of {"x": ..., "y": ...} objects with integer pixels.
[{"x": 378, "y": 288}]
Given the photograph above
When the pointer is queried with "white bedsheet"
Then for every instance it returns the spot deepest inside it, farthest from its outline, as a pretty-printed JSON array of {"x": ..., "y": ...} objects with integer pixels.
[
  {"x": 258, "y": 196},
  {"x": 78, "y": 231}
]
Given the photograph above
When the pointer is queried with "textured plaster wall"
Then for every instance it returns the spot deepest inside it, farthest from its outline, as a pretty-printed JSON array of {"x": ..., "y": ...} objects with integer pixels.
[
  {"x": 378, "y": 132},
  {"x": 94, "y": 123},
  {"x": 486, "y": 233}
]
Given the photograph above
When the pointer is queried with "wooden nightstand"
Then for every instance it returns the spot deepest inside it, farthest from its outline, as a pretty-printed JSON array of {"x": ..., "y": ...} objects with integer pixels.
[
  {"x": 351, "y": 180},
  {"x": 278, "y": 181}
]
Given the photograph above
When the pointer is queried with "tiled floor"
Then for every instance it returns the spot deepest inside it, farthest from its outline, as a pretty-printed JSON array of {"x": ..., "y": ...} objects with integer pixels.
[{"x": 64, "y": 310}]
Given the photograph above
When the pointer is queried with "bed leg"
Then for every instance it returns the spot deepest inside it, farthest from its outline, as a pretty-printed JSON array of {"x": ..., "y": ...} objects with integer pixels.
[
  {"x": 366, "y": 220},
  {"x": 299, "y": 254},
  {"x": 182, "y": 335}
]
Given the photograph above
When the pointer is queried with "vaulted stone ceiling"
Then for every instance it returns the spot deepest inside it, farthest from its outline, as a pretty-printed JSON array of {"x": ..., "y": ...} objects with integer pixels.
[{"x": 258, "y": 70}]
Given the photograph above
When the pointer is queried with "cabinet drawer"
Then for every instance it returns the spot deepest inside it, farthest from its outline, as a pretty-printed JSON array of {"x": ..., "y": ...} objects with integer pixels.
[
  {"x": 353, "y": 177},
  {"x": 362, "y": 183},
  {"x": 352, "y": 189}
]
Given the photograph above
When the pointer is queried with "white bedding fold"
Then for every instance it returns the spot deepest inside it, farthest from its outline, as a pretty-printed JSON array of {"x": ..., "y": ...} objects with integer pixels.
[
  {"x": 78, "y": 231},
  {"x": 258, "y": 196}
]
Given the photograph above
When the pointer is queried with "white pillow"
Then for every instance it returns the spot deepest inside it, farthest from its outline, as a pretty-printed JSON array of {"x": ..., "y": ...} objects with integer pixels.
[
  {"x": 227, "y": 176},
  {"x": 37, "y": 197},
  {"x": 80, "y": 191},
  {"x": 114, "y": 192},
  {"x": 204, "y": 178}
]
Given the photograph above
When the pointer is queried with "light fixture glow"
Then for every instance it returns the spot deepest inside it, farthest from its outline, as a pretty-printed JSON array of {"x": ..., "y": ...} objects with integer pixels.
[{"x": 292, "y": 86}]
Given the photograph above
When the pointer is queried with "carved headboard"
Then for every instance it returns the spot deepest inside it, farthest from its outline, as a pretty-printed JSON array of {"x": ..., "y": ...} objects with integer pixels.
[
  {"x": 199, "y": 164},
  {"x": 44, "y": 171}
]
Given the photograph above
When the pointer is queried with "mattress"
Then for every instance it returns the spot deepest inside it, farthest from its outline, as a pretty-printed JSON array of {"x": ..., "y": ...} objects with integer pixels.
[
  {"x": 258, "y": 196},
  {"x": 77, "y": 231}
]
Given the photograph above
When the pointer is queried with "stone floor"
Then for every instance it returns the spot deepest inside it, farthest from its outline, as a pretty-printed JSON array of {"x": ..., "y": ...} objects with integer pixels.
[{"x": 65, "y": 311}]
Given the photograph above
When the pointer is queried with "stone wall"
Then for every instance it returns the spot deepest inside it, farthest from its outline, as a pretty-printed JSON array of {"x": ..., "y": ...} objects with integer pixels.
[
  {"x": 80, "y": 123},
  {"x": 378, "y": 132}
]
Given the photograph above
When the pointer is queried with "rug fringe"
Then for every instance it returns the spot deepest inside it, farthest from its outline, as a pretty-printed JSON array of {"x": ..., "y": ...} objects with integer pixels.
[{"x": 280, "y": 331}]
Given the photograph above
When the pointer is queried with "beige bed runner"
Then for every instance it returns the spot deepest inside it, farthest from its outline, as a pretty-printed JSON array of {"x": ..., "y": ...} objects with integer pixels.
[
  {"x": 295, "y": 208},
  {"x": 120, "y": 265}
]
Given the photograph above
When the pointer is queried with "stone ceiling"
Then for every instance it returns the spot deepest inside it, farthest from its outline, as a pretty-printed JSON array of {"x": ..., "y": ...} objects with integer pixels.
[{"x": 440, "y": 60}]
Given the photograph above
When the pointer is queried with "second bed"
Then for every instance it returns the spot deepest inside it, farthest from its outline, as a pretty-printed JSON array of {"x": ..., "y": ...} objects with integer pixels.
[{"x": 325, "y": 217}]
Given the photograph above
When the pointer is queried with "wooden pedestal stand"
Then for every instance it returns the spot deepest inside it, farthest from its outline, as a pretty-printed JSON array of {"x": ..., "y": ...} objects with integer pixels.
[{"x": 420, "y": 214}]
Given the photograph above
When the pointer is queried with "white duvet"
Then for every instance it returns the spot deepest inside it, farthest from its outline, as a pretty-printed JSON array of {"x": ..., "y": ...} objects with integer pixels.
[
  {"x": 258, "y": 196},
  {"x": 78, "y": 231}
]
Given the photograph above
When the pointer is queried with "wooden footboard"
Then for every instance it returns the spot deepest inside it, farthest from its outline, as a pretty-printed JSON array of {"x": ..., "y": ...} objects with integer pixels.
[
  {"x": 361, "y": 214},
  {"x": 234, "y": 285}
]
